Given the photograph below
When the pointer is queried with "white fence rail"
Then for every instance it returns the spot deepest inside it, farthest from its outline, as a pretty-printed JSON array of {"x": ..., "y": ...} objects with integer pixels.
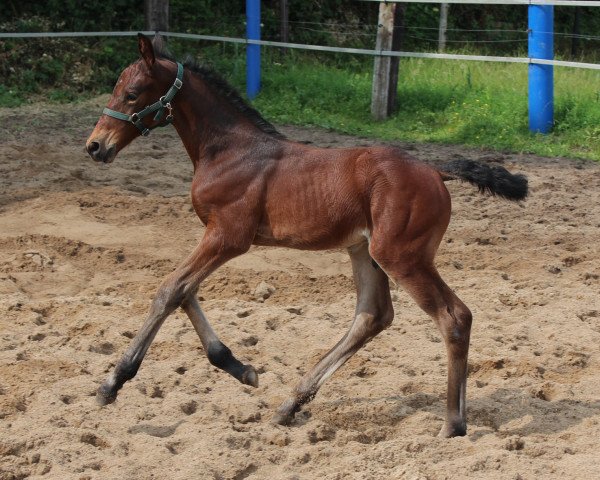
[{"x": 318, "y": 48}]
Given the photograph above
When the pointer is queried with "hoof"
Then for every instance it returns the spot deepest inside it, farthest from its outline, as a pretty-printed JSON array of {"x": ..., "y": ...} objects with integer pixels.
[
  {"x": 104, "y": 397},
  {"x": 282, "y": 419},
  {"x": 250, "y": 377},
  {"x": 285, "y": 413},
  {"x": 450, "y": 431}
]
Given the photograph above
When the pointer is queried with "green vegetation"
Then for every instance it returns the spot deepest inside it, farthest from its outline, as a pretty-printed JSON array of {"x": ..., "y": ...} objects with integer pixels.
[
  {"x": 471, "y": 103},
  {"x": 324, "y": 22}
]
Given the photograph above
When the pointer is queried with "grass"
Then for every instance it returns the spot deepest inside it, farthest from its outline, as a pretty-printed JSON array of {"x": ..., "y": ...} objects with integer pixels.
[
  {"x": 10, "y": 98},
  {"x": 471, "y": 103}
]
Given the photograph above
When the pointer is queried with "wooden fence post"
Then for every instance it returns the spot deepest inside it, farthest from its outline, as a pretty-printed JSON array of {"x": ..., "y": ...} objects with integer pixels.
[
  {"x": 443, "y": 27},
  {"x": 576, "y": 31},
  {"x": 284, "y": 15},
  {"x": 399, "y": 16},
  {"x": 383, "y": 76},
  {"x": 284, "y": 29},
  {"x": 156, "y": 15}
]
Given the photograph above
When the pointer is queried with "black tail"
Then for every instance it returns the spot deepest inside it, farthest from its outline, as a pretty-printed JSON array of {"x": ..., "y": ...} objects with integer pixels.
[{"x": 494, "y": 180}]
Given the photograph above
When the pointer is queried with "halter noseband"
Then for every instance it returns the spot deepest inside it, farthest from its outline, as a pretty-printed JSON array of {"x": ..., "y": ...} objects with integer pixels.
[{"x": 158, "y": 107}]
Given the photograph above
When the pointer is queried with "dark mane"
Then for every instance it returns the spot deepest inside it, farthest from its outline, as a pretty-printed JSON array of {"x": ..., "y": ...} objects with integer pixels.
[{"x": 221, "y": 87}]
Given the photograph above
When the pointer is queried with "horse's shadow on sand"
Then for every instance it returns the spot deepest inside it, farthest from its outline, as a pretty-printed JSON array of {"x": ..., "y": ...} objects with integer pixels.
[{"x": 505, "y": 411}]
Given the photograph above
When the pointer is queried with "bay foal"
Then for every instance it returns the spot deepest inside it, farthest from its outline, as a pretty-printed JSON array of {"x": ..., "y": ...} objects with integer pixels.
[{"x": 253, "y": 187}]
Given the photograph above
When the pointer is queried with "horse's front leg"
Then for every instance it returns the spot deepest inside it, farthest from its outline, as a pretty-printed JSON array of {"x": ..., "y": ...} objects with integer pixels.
[
  {"x": 218, "y": 353},
  {"x": 212, "y": 252}
]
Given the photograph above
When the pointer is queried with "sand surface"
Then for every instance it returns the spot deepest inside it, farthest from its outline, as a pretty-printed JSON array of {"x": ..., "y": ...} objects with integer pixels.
[{"x": 83, "y": 248}]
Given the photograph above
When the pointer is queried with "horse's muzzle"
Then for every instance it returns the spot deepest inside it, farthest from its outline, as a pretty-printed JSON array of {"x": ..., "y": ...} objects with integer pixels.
[{"x": 100, "y": 153}]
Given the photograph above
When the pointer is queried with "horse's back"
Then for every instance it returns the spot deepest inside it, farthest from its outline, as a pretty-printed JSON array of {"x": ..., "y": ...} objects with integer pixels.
[{"x": 325, "y": 198}]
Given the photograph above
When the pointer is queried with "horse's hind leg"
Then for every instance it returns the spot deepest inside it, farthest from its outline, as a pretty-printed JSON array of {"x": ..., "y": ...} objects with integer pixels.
[
  {"x": 374, "y": 313},
  {"x": 218, "y": 354},
  {"x": 453, "y": 318}
]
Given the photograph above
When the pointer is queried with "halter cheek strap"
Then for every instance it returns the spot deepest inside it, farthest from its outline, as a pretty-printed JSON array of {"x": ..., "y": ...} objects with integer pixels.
[{"x": 159, "y": 107}]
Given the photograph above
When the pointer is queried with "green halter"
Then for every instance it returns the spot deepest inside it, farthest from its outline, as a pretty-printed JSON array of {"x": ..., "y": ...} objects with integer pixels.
[{"x": 158, "y": 107}]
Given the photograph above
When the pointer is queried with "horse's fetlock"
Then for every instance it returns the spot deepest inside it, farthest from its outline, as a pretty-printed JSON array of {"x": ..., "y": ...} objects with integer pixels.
[
  {"x": 304, "y": 396},
  {"x": 126, "y": 370},
  {"x": 219, "y": 354}
]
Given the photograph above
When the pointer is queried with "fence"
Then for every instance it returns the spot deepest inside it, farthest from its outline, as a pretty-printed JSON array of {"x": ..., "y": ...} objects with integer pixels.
[{"x": 540, "y": 59}]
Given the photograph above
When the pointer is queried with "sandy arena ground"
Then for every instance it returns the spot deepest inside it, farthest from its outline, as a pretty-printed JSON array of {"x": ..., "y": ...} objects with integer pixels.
[{"x": 84, "y": 246}]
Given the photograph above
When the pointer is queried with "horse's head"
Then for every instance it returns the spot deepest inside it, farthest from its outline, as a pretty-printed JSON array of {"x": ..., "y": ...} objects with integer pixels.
[{"x": 138, "y": 102}]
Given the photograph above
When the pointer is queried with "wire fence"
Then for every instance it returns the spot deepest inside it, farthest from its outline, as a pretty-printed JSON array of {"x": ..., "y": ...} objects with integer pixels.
[
  {"x": 324, "y": 30},
  {"x": 360, "y": 29},
  {"x": 319, "y": 48}
]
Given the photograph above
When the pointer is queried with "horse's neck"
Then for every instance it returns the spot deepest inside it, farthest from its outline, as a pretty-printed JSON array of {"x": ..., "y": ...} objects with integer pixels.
[{"x": 208, "y": 125}]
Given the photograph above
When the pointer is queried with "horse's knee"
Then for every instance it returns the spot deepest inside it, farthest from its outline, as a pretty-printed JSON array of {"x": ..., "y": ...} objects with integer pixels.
[
  {"x": 457, "y": 328},
  {"x": 463, "y": 317}
]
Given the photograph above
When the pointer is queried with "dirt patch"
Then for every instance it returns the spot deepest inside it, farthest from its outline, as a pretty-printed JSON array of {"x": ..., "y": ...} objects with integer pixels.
[{"x": 83, "y": 247}]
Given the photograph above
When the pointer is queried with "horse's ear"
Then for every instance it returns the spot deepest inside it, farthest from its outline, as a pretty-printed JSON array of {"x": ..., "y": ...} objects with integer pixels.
[{"x": 146, "y": 50}]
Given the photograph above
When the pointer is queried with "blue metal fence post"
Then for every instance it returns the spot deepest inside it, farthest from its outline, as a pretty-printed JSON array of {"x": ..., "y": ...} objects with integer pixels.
[
  {"x": 252, "y": 51},
  {"x": 541, "y": 77}
]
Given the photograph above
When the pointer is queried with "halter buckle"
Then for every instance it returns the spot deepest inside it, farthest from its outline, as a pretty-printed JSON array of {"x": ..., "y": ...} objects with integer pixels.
[
  {"x": 169, "y": 117},
  {"x": 134, "y": 118},
  {"x": 177, "y": 84}
]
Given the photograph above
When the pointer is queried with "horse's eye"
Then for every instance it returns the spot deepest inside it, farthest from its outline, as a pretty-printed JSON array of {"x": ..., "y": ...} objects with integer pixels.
[{"x": 131, "y": 97}]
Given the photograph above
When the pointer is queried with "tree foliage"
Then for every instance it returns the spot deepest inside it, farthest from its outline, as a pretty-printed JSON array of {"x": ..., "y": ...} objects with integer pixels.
[{"x": 501, "y": 28}]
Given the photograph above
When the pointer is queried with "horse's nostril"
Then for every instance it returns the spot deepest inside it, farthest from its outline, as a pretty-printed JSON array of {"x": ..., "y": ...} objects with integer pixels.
[{"x": 93, "y": 147}]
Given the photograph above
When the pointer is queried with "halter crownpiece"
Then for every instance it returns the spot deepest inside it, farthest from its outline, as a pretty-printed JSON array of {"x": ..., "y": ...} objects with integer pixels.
[{"x": 158, "y": 107}]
